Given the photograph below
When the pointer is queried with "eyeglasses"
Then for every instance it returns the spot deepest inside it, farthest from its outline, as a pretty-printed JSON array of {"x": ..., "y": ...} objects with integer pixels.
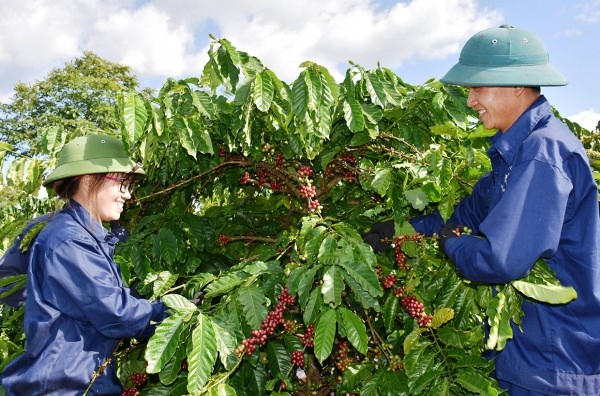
[
  {"x": 127, "y": 180},
  {"x": 126, "y": 183}
]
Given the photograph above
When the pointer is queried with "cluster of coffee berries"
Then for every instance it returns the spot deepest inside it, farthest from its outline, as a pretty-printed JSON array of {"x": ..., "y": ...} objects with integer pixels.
[
  {"x": 138, "y": 379},
  {"x": 298, "y": 358},
  {"x": 305, "y": 172},
  {"x": 308, "y": 337},
  {"x": 416, "y": 309},
  {"x": 276, "y": 185},
  {"x": 307, "y": 191},
  {"x": 131, "y": 391},
  {"x": 343, "y": 165},
  {"x": 342, "y": 358},
  {"x": 398, "y": 292},
  {"x": 290, "y": 326},
  {"x": 399, "y": 255},
  {"x": 245, "y": 178},
  {"x": 314, "y": 206},
  {"x": 279, "y": 159},
  {"x": 262, "y": 177},
  {"x": 222, "y": 240},
  {"x": 395, "y": 363},
  {"x": 389, "y": 281},
  {"x": 268, "y": 326}
]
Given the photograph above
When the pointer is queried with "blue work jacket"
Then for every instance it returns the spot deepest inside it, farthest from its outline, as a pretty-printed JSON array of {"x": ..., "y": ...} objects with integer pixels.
[
  {"x": 14, "y": 262},
  {"x": 76, "y": 311},
  {"x": 539, "y": 200}
]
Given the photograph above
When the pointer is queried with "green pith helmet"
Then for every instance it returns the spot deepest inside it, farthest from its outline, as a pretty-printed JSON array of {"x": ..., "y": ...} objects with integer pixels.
[
  {"x": 504, "y": 56},
  {"x": 91, "y": 154}
]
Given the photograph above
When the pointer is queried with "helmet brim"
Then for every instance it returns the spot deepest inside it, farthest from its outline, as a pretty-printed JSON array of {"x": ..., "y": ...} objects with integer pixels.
[
  {"x": 92, "y": 166},
  {"x": 544, "y": 75}
]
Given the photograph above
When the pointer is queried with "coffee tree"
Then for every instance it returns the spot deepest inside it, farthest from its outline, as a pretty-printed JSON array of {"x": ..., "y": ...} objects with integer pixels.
[{"x": 249, "y": 226}]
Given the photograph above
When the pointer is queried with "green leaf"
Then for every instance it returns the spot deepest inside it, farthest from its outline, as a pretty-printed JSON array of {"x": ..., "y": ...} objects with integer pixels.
[
  {"x": 353, "y": 115},
  {"x": 315, "y": 88},
  {"x": 279, "y": 359},
  {"x": 499, "y": 321},
  {"x": 313, "y": 306},
  {"x": 382, "y": 180},
  {"x": 390, "y": 310},
  {"x": 17, "y": 282},
  {"x": 262, "y": 93},
  {"x": 226, "y": 343},
  {"x": 169, "y": 372},
  {"x": 300, "y": 96},
  {"x": 224, "y": 284},
  {"x": 333, "y": 285},
  {"x": 178, "y": 302},
  {"x": 411, "y": 340},
  {"x": 365, "y": 299},
  {"x": 252, "y": 300},
  {"x": 551, "y": 294},
  {"x": 202, "y": 101},
  {"x": 203, "y": 354},
  {"x": 222, "y": 389},
  {"x": 163, "y": 283},
  {"x": 134, "y": 116},
  {"x": 356, "y": 331},
  {"x": 306, "y": 284},
  {"x": 475, "y": 381},
  {"x": 418, "y": 362},
  {"x": 164, "y": 342},
  {"x": 364, "y": 276},
  {"x": 53, "y": 139},
  {"x": 355, "y": 375},
  {"x": 325, "y": 335},
  {"x": 168, "y": 245},
  {"x": 375, "y": 89},
  {"x": 441, "y": 316},
  {"x": 417, "y": 198}
]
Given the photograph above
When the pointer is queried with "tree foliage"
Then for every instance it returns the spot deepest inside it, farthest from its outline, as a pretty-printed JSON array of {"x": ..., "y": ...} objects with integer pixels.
[
  {"x": 77, "y": 99},
  {"x": 248, "y": 225}
]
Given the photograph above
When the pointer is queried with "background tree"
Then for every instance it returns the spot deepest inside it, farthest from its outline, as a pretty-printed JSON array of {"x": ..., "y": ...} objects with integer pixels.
[{"x": 78, "y": 98}]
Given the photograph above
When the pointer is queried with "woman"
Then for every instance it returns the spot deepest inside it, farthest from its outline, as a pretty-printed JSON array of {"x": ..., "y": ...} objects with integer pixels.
[{"x": 77, "y": 308}]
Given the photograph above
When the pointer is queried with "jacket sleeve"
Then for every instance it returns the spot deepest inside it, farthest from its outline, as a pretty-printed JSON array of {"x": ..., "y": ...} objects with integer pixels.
[
  {"x": 13, "y": 262},
  {"x": 82, "y": 282},
  {"x": 524, "y": 225},
  {"x": 469, "y": 212}
]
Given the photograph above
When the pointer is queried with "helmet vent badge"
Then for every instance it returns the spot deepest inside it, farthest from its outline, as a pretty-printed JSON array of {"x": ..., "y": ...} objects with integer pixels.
[{"x": 494, "y": 41}]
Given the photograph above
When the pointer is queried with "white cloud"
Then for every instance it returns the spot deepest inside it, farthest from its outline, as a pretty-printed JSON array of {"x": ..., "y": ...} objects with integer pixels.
[
  {"x": 283, "y": 34},
  {"x": 146, "y": 40},
  {"x": 589, "y": 119},
  {"x": 590, "y": 12},
  {"x": 168, "y": 38}
]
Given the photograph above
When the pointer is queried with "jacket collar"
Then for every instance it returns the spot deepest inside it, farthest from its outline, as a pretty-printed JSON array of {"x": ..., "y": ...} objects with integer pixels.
[
  {"x": 93, "y": 226},
  {"x": 507, "y": 143}
]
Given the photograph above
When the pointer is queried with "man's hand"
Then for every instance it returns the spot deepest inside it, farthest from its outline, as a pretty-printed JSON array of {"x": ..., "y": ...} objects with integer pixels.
[
  {"x": 449, "y": 231},
  {"x": 380, "y": 236}
]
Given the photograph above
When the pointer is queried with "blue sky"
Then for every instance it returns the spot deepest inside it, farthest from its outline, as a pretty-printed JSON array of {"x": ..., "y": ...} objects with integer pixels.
[{"x": 417, "y": 39}]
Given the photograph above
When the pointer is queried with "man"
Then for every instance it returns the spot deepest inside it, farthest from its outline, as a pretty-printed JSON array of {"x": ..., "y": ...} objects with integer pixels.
[{"x": 539, "y": 200}]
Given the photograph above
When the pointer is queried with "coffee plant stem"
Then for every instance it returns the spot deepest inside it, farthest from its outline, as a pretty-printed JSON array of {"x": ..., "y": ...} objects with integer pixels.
[{"x": 242, "y": 162}]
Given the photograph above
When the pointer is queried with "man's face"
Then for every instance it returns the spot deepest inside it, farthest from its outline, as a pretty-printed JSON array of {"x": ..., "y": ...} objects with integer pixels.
[{"x": 497, "y": 106}]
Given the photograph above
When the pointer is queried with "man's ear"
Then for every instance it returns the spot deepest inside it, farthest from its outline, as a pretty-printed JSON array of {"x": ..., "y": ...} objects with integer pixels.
[{"x": 518, "y": 91}]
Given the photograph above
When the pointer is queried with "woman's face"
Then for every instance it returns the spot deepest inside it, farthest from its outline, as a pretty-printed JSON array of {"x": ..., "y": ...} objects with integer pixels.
[
  {"x": 101, "y": 195},
  {"x": 109, "y": 199}
]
